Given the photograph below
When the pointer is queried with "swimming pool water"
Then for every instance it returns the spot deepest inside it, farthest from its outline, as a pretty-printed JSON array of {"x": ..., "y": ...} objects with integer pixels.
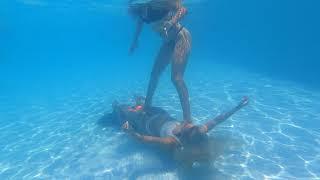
[
  {"x": 62, "y": 64},
  {"x": 276, "y": 137}
]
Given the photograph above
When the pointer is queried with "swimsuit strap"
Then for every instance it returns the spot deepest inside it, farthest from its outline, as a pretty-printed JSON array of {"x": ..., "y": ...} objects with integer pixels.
[{"x": 173, "y": 40}]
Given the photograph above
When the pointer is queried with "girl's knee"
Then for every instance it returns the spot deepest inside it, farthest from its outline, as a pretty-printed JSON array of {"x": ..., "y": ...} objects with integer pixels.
[{"x": 177, "y": 79}]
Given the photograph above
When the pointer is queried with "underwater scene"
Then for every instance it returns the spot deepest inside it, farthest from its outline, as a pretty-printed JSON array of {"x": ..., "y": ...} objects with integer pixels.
[{"x": 159, "y": 89}]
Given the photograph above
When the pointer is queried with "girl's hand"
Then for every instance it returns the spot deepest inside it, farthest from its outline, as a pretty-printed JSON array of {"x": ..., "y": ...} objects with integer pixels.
[
  {"x": 128, "y": 129},
  {"x": 126, "y": 126},
  {"x": 245, "y": 101}
]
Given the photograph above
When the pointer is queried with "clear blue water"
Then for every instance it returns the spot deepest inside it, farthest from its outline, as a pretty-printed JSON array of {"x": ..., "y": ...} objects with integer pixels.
[{"x": 62, "y": 63}]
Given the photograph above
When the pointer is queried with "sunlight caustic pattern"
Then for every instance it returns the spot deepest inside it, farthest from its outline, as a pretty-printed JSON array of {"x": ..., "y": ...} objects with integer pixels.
[{"x": 276, "y": 137}]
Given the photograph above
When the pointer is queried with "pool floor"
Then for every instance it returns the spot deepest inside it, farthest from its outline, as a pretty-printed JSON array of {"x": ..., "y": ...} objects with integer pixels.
[{"x": 276, "y": 137}]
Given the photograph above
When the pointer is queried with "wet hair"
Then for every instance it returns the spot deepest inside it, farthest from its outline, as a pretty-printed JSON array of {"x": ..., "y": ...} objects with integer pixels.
[
  {"x": 138, "y": 9},
  {"x": 195, "y": 147},
  {"x": 194, "y": 136}
]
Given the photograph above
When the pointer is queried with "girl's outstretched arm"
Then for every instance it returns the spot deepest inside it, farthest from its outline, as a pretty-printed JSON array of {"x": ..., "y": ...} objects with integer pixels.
[
  {"x": 136, "y": 36},
  {"x": 219, "y": 119}
]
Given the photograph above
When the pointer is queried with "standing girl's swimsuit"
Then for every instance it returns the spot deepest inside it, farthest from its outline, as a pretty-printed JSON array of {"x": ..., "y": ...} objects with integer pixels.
[
  {"x": 158, "y": 19},
  {"x": 175, "y": 50},
  {"x": 164, "y": 16}
]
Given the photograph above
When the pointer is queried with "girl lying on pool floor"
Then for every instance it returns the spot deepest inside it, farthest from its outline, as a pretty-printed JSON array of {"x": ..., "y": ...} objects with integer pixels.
[{"x": 157, "y": 127}]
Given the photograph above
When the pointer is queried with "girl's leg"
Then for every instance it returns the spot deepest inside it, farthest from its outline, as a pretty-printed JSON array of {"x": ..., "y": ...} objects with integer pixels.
[
  {"x": 161, "y": 62},
  {"x": 181, "y": 53}
]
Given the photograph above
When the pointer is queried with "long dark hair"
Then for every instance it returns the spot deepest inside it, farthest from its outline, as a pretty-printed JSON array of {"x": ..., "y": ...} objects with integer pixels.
[
  {"x": 195, "y": 147},
  {"x": 193, "y": 136},
  {"x": 137, "y": 9}
]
